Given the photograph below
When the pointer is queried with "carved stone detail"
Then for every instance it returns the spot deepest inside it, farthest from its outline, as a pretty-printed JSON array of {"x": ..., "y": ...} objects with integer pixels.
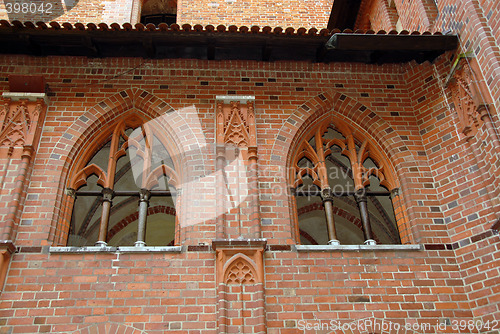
[
  {"x": 239, "y": 261},
  {"x": 467, "y": 99},
  {"x": 240, "y": 272},
  {"x": 19, "y": 122},
  {"x": 236, "y": 124}
]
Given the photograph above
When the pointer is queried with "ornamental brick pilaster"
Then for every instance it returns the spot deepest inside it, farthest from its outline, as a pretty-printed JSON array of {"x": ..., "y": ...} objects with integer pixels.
[
  {"x": 238, "y": 212},
  {"x": 240, "y": 285}
]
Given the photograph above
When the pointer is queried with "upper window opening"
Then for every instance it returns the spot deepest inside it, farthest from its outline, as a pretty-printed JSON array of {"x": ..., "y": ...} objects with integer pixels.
[
  {"x": 159, "y": 11},
  {"x": 124, "y": 194},
  {"x": 345, "y": 192}
]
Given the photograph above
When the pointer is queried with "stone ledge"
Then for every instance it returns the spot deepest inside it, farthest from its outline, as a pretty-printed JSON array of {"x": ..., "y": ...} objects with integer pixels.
[
  {"x": 25, "y": 96},
  {"x": 238, "y": 243},
  {"x": 333, "y": 248},
  {"x": 120, "y": 249}
]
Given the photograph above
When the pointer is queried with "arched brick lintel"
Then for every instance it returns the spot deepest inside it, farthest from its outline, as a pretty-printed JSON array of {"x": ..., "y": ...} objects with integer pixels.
[
  {"x": 340, "y": 106},
  {"x": 87, "y": 127},
  {"x": 362, "y": 120}
]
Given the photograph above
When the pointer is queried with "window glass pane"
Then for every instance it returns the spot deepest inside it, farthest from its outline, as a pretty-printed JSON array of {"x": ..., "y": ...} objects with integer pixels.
[
  {"x": 160, "y": 155},
  {"x": 382, "y": 219},
  {"x": 312, "y": 222},
  {"x": 84, "y": 227},
  {"x": 381, "y": 211},
  {"x": 101, "y": 157},
  {"x": 339, "y": 172}
]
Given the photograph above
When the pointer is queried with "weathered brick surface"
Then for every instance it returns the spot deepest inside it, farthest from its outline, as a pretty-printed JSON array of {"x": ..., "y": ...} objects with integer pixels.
[
  {"x": 84, "y": 11},
  {"x": 376, "y": 15},
  {"x": 401, "y": 107},
  {"x": 284, "y": 14}
]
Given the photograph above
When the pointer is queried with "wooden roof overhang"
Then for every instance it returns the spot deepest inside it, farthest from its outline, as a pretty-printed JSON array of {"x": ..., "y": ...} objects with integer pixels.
[{"x": 221, "y": 43}]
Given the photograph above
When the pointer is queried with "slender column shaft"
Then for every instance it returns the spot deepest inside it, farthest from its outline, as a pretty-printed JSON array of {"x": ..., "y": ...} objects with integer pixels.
[
  {"x": 254, "y": 192},
  {"x": 107, "y": 197},
  {"x": 221, "y": 199},
  {"x": 13, "y": 206},
  {"x": 327, "y": 197},
  {"x": 362, "y": 201},
  {"x": 143, "y": 216}
]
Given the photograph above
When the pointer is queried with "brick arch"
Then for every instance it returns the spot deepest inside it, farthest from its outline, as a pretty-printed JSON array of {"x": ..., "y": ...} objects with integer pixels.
[
  {"x": 88, "y": 126},
  {"x": 109, "y": 328},
  {"x": 335, "y": 105}
]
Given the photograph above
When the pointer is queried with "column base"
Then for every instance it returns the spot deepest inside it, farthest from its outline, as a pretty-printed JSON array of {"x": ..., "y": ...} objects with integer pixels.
[
  {"x": 334, "y": 242},
  {"x": 101, "y": 244},
  {"x": 140, "y": 244},
  {"x": 370, "y": 242}
]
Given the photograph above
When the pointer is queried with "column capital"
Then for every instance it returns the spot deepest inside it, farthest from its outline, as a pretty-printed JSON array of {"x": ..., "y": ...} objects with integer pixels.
[
  {"x": 144, "y": 195},
  {"x": 327, "y": 194},
  {"x": 360, "y": 196},
  {"x": 107, "y": 194},
  {"x": 70, "y": 192}
]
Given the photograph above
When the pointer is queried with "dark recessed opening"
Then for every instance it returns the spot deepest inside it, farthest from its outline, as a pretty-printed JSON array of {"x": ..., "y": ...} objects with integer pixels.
[{"x": 159, "y": 11}]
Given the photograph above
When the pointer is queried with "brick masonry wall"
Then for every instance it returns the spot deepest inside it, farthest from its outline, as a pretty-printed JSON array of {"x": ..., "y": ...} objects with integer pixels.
[
  {"x": 305, "y": 13},
  {"x": 340, "y": 287},
  {"x": 285, "y": 14},
  {"x": 281, "y": 91},
  {"x": 477, "y": 25},
  {"x": 152, "y": 293},
  {"x": 418, "y": 15},
  {"x": 402, "y": 107},
  {"x": 462, "y": 172},
  {"x": 376, "y": 15},
  {"x": 73, "y": 11}
]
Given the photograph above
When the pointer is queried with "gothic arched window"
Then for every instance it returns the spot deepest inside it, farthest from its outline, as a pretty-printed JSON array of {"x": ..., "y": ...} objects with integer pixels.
[
  {"x": 344, "y": 189},
  {"x": 122, "y": 189}
]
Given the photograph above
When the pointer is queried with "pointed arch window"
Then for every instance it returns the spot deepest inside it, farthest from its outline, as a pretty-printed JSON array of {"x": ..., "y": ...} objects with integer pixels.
[
  {"x": 344, "y": 189},
  {"x": 123, "y": 189}
]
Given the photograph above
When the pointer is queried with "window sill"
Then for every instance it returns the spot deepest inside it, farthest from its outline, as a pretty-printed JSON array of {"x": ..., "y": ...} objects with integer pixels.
[
  {"x": 120, "y": 249},
  {"x": 333, "y": 248}
]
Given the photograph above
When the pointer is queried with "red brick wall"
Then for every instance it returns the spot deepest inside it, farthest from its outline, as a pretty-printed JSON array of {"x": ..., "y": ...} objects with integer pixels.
[
  {"x": 283, "y": 91},
  {"x": 465, "y": 173},
  {"x": 376, "y": 15},
  {"x": 417, "y": 15},
  {"x": 402, "y": 107},
  {"x": 477, "y": 25},
  {"x": 284, "y": 14},
  {"x": 261, "y": 13},
  {"x": 394, "y": 287},
  {"x": 478, "y": 35},
  {"x": 85, "y": 11}
]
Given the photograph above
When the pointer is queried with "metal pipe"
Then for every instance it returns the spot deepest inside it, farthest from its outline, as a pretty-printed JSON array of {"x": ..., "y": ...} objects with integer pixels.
[
  {"x": 143, "y": 216},
  {"x": 341, "y": 194},
  {"x": 126, "y": 193}
]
